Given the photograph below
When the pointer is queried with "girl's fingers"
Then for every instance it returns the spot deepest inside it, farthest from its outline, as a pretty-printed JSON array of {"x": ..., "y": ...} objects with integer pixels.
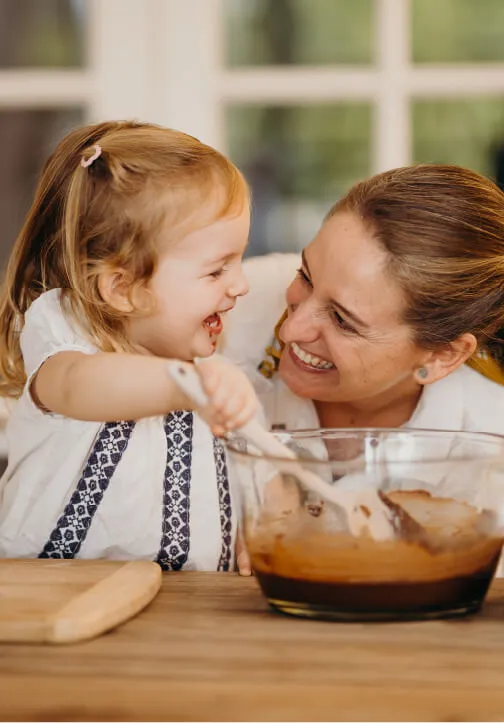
[
  {"x": 242, "y": 558},
  {"x": 234, "y": 415},
  {"x": 246, "y": 412},
  {"x": 232, "y": 398},
  {"x": 235, "y": 406},
  {"x": 230, "y": 402},
  {"x": 219, "y": 430}
]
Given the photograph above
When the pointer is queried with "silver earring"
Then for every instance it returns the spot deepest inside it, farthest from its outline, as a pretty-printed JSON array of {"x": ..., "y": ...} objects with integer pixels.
[{"x": 423, "y": 372}]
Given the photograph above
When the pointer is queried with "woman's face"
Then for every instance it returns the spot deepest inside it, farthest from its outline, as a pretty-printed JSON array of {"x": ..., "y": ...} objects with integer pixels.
[{"x": 345, "y": 341}]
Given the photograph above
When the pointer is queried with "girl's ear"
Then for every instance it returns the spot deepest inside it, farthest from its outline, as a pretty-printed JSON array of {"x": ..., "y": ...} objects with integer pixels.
[{"x": 114, "y": 285}]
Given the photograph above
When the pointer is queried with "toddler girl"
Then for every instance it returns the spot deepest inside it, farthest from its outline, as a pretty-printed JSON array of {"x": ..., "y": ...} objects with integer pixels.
[{"x": 130, "y": 255}]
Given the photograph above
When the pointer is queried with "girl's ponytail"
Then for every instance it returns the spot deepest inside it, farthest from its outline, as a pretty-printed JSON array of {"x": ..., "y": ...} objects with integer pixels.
[{"x": 37, "y": 263}]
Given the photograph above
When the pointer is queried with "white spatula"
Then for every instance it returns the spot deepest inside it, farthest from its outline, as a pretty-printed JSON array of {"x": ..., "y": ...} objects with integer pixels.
[{"x": 364, "y": 509}]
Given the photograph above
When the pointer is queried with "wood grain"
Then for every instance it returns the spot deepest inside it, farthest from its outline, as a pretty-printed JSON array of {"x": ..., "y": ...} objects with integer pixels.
[
  {"x": 62, "y": 601},
  {"x": 208, "y": 648}
]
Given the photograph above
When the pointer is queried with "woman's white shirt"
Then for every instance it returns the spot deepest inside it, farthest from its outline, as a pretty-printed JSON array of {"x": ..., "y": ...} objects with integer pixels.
[{"x": 465, "y": 400}]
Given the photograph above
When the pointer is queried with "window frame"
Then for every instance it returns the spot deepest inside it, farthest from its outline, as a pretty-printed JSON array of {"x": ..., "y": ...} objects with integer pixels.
[
  {"x": 391, "y": 84},
  {"x": 163, "y": 61}
]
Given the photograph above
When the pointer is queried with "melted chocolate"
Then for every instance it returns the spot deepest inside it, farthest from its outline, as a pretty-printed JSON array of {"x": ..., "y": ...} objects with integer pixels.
[{"x": 393, "y": 599}]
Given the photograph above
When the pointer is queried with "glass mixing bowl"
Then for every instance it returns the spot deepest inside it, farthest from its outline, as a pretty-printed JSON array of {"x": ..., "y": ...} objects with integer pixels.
[{"x": 445, "y": 493}]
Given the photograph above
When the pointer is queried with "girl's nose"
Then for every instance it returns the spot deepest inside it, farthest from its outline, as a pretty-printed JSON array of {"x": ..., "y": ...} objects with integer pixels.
[{"x": 239, "y": 285}]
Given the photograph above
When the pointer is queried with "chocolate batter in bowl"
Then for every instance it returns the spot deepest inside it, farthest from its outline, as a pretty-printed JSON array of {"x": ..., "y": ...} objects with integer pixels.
[{"x": 449, "y": 486}]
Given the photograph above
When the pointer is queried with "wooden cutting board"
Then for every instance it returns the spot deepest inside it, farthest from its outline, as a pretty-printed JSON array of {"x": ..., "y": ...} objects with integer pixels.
[{"x": 63, "y": 601}]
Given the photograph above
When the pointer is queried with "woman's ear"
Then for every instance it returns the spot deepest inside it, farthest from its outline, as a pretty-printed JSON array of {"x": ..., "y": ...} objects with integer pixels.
[
  {"x": 114, "y": 285},
  {"x": 441, "y": 362}
]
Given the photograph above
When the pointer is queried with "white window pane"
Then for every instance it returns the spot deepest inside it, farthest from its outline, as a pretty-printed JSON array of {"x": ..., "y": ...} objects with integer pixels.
[
  {"x": 27, "y": 137},
  {"x": 42, "y": 33},
  {"x": 298, "y": 160},
  {"x": 466, "y": 132},
  {"x": 284, "y": 32},
  {"x": 452, "y": 31}
]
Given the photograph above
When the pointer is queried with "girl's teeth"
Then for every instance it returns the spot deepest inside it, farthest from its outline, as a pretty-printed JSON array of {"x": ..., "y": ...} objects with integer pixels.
[
  {"x": 212, "y": 321},
  {"x": 310, "y": 359}
]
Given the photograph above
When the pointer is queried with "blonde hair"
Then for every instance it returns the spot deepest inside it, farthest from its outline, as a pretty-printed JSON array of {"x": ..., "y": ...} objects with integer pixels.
[{"x": 84, "y": 220}]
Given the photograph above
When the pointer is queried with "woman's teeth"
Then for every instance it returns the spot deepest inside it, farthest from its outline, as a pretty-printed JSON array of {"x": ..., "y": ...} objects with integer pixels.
[{"x": 310, "y": 359}]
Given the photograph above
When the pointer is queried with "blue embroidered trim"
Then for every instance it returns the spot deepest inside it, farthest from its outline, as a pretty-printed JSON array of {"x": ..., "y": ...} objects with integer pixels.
[
  {"x": 224, "y": 505},
  {"x": 174, "y": 549},
  {"x": 72, "y": 527}
]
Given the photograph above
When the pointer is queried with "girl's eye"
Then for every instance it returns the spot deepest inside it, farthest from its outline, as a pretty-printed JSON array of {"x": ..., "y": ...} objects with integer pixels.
[
  {"x": 217, "y": 274},
  {"x": 301, "y": 274},
  {"x": 340, "y": 321}
]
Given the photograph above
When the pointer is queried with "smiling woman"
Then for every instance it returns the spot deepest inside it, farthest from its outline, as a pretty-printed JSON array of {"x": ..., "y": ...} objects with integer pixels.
[{"x": 402, "y": 285}]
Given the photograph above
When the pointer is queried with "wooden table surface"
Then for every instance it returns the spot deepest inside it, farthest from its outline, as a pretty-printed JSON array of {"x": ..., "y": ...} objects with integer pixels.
[{"x": 208, "y": 648}]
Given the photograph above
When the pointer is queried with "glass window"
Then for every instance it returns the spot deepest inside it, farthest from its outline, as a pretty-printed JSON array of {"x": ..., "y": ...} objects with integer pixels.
[
  {"x": 466, "y": 132},
  {"x": 27, "y": 137},
  {"x": 311, "y": 32},
  {"x": 298, "y": 160},
  {"x": 458, "y": 31},
  {"x": 47, "y": 33}
]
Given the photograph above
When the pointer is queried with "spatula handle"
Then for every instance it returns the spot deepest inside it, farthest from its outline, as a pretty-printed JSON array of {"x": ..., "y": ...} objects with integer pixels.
[{"x": 187, "y": 378}]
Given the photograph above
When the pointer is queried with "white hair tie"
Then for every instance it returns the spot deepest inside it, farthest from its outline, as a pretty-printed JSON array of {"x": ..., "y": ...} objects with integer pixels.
[{"x": 85, "y": 163}]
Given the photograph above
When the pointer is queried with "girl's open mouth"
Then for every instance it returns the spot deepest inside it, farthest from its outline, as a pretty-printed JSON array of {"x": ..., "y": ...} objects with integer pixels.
[{"x": 213, "y": 324}]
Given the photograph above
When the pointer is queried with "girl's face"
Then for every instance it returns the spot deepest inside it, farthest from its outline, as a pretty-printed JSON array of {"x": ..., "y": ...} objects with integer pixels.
[
  {"x": 344, "y": 335},
  {"x": 197, "y": 280}
]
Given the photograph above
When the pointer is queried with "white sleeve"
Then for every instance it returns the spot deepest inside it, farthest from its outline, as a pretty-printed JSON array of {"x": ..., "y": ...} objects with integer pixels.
[
  {"x": 47, "y": 331},
  {"x": 249, "y": 327}
]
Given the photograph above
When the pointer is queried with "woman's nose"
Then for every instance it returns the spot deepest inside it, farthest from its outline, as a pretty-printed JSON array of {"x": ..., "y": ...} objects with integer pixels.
[{"x": 301, "y": 324}]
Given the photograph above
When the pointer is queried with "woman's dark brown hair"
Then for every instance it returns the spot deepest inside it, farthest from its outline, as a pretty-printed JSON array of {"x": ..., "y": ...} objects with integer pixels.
[{"x": 443, "y": 229}]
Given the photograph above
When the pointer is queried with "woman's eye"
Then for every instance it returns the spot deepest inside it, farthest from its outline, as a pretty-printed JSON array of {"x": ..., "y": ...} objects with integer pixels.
[
  {"x": 341, "y": 322},
  {"x": 300, "y": 274}
]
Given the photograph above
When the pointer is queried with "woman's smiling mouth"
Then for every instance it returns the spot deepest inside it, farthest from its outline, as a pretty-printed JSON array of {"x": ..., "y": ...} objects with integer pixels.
[{"x": 309, "y": 360}]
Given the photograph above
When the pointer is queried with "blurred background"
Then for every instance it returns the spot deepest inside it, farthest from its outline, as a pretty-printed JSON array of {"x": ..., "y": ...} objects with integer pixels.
[{"x": 306, "y": 96}]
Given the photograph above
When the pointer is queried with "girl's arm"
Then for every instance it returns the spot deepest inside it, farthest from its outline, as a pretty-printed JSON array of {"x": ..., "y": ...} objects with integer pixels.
[{"x": 107, "y": 387}]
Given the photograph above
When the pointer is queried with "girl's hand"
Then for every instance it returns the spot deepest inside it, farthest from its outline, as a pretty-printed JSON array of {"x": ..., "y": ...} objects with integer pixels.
[
  {"x": 233, "y": 400},
  {"x": 242, "y": 557}
]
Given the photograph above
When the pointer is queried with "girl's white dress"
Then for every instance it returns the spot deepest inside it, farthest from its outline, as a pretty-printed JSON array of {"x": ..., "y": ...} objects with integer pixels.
[{"x": 155, "y": 489}]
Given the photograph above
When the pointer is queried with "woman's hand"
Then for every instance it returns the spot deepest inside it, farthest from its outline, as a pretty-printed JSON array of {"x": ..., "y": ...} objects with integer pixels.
[{"x": 232, "y": 399}]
